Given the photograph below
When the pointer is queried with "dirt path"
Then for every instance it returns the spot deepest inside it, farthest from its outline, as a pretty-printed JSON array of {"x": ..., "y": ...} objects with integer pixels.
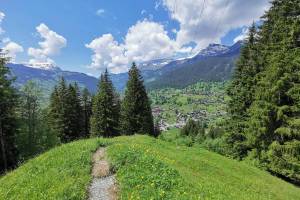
[{"x": 103, "y": 186}]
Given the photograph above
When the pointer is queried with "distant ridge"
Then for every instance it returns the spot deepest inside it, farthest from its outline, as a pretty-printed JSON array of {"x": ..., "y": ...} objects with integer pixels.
[
  {"x": 47, "y": 77},
  {"x": 214, "y": 63}
]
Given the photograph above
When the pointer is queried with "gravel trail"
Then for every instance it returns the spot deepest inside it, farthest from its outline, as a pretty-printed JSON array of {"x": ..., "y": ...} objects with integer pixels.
[{"x": 103, "y": 186}]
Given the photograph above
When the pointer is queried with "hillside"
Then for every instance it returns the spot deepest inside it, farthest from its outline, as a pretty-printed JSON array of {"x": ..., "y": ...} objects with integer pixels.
[
  {"x": 145, "y": 168},
  {"x": 214, "y": 63}
]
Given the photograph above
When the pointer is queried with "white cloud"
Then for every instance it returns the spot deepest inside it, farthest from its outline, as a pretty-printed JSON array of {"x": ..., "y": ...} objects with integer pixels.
[
  {"x": 200, "y": 22},
  {"x": 2, "y": 15},
  {"x": 107, "y": 54},
  {"x": 242, "y": 36},
  {"x": 100, "y": 12},
  {"x": 144, "y": 41},
  {"x": 12, "y": 49},
  {"x": 148, "y": 40},
  {"x": 50, "y": 46},
  {"x": 204, "y": 22},
  {"x": 143, "y": 12}
]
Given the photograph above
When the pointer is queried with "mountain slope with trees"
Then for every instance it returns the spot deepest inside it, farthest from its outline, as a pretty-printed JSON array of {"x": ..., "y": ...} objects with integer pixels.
[
  {"x": 214, "y": 63},
  {"x": 264, "y": 105},
  {"x": 8, "y": 132}
]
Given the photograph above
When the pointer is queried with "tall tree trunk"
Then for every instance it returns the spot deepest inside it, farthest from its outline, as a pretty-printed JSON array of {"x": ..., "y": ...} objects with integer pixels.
[{"x": 2, "y": 141}]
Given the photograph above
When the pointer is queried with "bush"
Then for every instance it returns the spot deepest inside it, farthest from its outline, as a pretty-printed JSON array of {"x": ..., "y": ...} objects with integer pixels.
[{"x": 193, "y": 129}]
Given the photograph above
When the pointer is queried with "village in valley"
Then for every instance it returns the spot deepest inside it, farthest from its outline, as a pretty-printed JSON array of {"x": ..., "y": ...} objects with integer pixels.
[{"x": 204, "y": 102}]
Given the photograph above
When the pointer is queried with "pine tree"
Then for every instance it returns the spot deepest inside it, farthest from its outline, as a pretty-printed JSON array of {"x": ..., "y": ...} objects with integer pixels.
[
  {"x": 65, "y": 111},
  {"x": 55, "y": 115},
  {"x": 241, "y": 92},
  {"x": 57, "y": 109},
  {"x": 274, "y": 125},
  {"x": 8, "y": 102},
  {"x": 34, "y": 136},
  {"x": 136, "y": 115},
  {"x": 87, "y": 111},
  {"x": 73, "y": 114},
  {"x": 29, "y": 113},
  {"x": 105, "y": 117}
]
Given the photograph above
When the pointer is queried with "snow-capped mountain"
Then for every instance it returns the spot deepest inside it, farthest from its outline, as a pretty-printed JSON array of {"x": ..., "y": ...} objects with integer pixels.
[
  {"x": 154, "y": 64},
  {"x": 213, "y": 50},
  {"x": 215, "y": 62},
  {"x": 44, "y": 66},
  {"x": 48, "y": 75}
]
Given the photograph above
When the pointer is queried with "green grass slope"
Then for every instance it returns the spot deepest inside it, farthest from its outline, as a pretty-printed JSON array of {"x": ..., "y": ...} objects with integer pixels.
[{"x": 146, "y": 168}]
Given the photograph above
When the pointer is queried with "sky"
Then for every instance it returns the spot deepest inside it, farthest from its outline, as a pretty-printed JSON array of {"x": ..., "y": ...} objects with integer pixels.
[{"x": 92, "y": 35}]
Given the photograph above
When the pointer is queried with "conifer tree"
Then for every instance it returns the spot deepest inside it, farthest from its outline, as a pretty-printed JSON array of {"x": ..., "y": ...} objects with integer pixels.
[
  {"x": 105, "y": 117},
  {"x": 57, "y": 109},
  {"x": 29, "y": 114},
  {"x": 65, "y": 111},
  {"x": 34, "y": 134},
  {"x": 8, "y": 102},
  {"x": 73, "y": 114},
  {"x": 136, "y": 115},
  {"x": 241, "y": 92},
  {"x": 55, "y": 115},
  {"x": 87, "y": 111},
  {"x": 274, "y": 125}
]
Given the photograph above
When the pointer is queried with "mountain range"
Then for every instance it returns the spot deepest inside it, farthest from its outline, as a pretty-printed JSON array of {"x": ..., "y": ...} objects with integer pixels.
[{"x": 214, "y": 63}]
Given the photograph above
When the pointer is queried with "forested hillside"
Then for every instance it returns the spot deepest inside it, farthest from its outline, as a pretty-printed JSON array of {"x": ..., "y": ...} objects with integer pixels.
[
  {"x": 262, "y": 121},
  {"x": 28, "y": 127},
  {"x": 214, "y": 63}
]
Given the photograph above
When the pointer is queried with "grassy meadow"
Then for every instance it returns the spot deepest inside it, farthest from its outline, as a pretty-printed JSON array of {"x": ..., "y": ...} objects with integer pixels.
[{"x": 145, "y": 168}]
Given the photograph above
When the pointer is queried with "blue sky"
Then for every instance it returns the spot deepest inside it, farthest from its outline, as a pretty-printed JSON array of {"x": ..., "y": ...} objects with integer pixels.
[{"x": 90, "y": 35}]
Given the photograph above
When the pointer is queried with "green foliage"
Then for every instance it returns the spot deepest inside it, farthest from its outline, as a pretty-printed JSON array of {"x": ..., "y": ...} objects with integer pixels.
[
  {"x": 273, "y": 130},
  {"x": 264, "y": 104},
  {"x": 87, "y": 111},
  {"x": 66, "y": 112},
  {"x": 136, "y": 114},
  {"x": 73, "y": 114},
  {"x": 8, "y": 118},
  {"x": 241, "y": 92},
  {"x": 106, "y": 109},
  {"x": 204, "y": 101},
  {"x": 194, "y": 129},
  {"x": 35, "y": 136}
]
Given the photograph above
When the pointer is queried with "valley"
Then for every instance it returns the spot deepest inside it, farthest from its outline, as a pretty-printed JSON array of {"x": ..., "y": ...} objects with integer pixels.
[{"x": 203, "y": 101}]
